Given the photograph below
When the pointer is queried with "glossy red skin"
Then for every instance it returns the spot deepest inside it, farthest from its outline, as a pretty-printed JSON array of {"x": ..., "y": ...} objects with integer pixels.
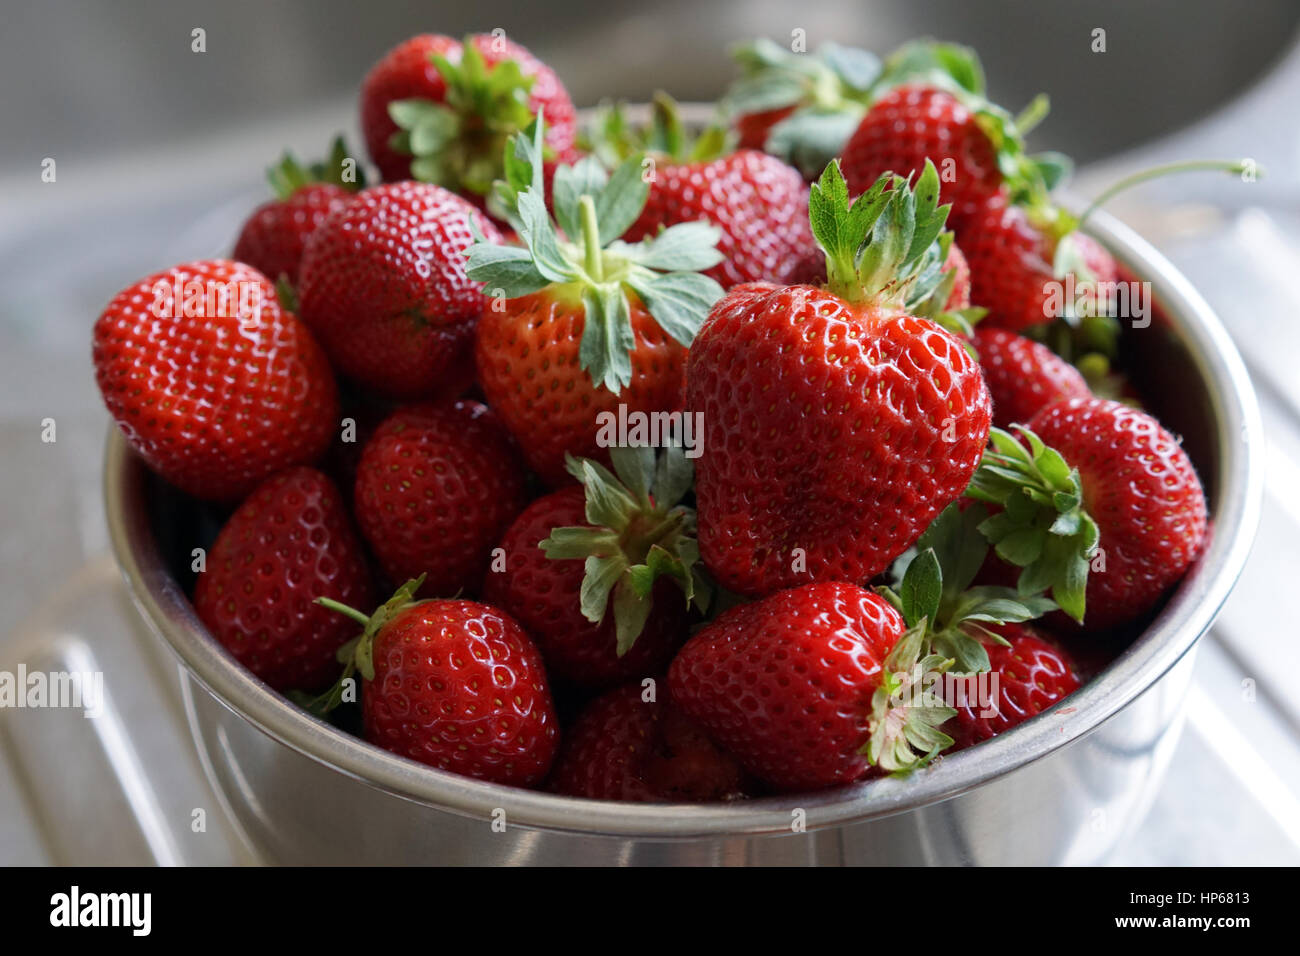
[
  {"x": 272, "y": 238},
  {"x": 436, "y": 487},
  {"x": 543, "y": 595},
  {"x": 1011, "y": 265},
  {"x": 459, "y": 686},
  {"x": 785, "y": 683},
  {"x": 759, "y": 203},
  {"x": 527, "y": 359},
  {"x": 913, "y": 123},
  {"x": 290, "y": 542},
  {"x": 622, "y": 747},
  {"x": 1033, "y": 674},
  {"x": 407, "y": 72},
  {"x": 753, "y": 128},
  {"x": 383, "y": 285},
  {"x": 826, "y": 428},
  {"x": 212, "y": 407},
  {"x": 1142, "y": 490},
  {"x": 1024, "y": 376}
]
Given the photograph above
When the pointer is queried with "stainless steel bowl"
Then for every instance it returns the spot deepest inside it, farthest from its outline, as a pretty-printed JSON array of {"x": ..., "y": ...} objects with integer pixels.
[{"x": 1065, "y": 787}]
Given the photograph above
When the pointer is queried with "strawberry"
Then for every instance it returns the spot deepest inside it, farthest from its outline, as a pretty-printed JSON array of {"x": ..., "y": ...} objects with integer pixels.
[
  {"x": 1019, "y": 260},
  {"x": 1024, "y": 376},
  {"x": 383, "y": 284},
  {"x": 625, "y": 747},
  {"x": 213, "y": 384},
  {"x": 591, "y": 574},
  {"x": 436, "y": 487},
  {"x": 272, "y": 238},
  {"x": 585, "y": 327},
  {"x": 290, "y": 541},
  {"x": 1032, "y": 674},
  {"x": 836, "y": 425},
  {"x": 453, "y": 684},
  {"x": 929, "y": 104},
  {"x": 440, "y": 111},
  {"x": 799, "y": 107},
  {"x": 757, "y": 202},
  {"x": 1142, "y": 491},
  {"x": 789, "y": 685}
]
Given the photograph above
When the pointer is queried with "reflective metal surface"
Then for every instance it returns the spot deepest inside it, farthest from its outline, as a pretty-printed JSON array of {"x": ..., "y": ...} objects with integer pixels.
[{"x": 1062, "y": 788}]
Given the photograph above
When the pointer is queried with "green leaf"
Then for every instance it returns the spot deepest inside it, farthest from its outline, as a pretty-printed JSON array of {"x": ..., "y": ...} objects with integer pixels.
[
  {"x": 620, "y": 203},
  {"x": 578, "y": 542},
  {"x": 686, "y": 246},
  {"x": 601, "y": 574},
  {"x": 507, "y": 268},
  {"x": 630, "y": 613},
  {"x": 587, "y": 177},
  {"x": 607, "y": 338},
  {"x": 922, "y": 589},
  {"x": 538, "y": 235},
  {"x": 679, "y": 301},
  {"x": 810, "y": 138}
]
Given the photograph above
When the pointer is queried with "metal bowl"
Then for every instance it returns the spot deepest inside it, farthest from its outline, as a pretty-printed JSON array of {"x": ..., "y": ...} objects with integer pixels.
[{"x": 1063, "y": 788}]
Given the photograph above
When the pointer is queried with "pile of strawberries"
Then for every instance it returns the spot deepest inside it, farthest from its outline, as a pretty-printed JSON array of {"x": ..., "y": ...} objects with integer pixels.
[{"x": 699, "y": 464}]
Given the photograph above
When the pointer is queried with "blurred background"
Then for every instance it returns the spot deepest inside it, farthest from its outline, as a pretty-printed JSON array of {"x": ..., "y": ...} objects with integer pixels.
[{"x": 160, "y": 152}]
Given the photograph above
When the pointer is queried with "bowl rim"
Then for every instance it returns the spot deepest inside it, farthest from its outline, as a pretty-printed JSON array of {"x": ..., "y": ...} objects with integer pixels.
[{"x": 1185, "y": 617}]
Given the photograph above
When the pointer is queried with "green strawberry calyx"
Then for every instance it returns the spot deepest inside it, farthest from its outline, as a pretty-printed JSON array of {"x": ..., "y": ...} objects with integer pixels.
[
  {"x": 612, "y": 138},
  {"x": 884, "y": 247},
  {"x": 339, "y": 168},
  {"x": 458, "y": 143},
  {"x": 928, "y": 297},
  {"x": 1042, "y": 525},
  {"x": 827, "y": 93},
  {"x": 948, "y": 629},
  {"x": 579, "y": 255},
  {"x": 357, "y": 655},
  {"x": 638, "y": 532}
]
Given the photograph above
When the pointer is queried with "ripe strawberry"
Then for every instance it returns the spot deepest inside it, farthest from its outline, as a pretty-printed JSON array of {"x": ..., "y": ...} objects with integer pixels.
[
  {"x": 383, "y": 284},
  {"x": 439, "y": 111},
  {"x": 1019, "y": 260},
  {"x": 1032, "y": 674},
  {"x": 436, "y": 486},
  {"x": 929, "y": 103},
  {"x": 799, "y": 107},
  {"x": 836, "y": 425},
  {"x": 579, "y": 328},
  {"x": 453, "y": 684},
  {"x": 566, "y": 604},
  {"x": 623, "y": 747},
  {"x": 212, "y": 383},
  {"x": 759, "y": 204},
  {"x": 789, "y": 685},
  {"x": 1141, "y": 489},
  {"x": 272, "y": 238},
  {"x": 291, "y": 541},
  {"x": 1024, "y": 376}
]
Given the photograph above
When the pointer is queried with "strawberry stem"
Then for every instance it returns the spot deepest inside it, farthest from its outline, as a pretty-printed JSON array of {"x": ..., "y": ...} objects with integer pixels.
[
  {"x": 591, "y": 253},
  {"x": 1236, "y": 167},
  {"x": 362, "y": 619}
]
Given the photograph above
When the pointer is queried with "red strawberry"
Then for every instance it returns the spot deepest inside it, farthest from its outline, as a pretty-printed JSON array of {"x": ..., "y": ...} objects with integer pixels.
[
  {"x": 435, "y": 110},
  {"x": 383, "y": 284},
  {"x": 587, "y": 326},
  {"x": 836, "y": 425},
  {"x": 1142, "y": 491},
  {"x": 801, "y": 107},
  {"x": 541, "y": 579},
  {"x": 212, "y": 383},
  {"x": 273, "y": 236},
  {"x": 1032, "y": 674},
  {"x": 622, "y": 747},
  {"x": 436, "y": 486},
  {"x": 1024, "y": 376},
  {"x": 789, "y": 684},
  {"x": 290, "y": 542},
  {"x": 1012, "y": 264},
  {"x": 453, "y": 684},
  {"x": 911, "y": 124},
  {"x": 759, "y": 203}
]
